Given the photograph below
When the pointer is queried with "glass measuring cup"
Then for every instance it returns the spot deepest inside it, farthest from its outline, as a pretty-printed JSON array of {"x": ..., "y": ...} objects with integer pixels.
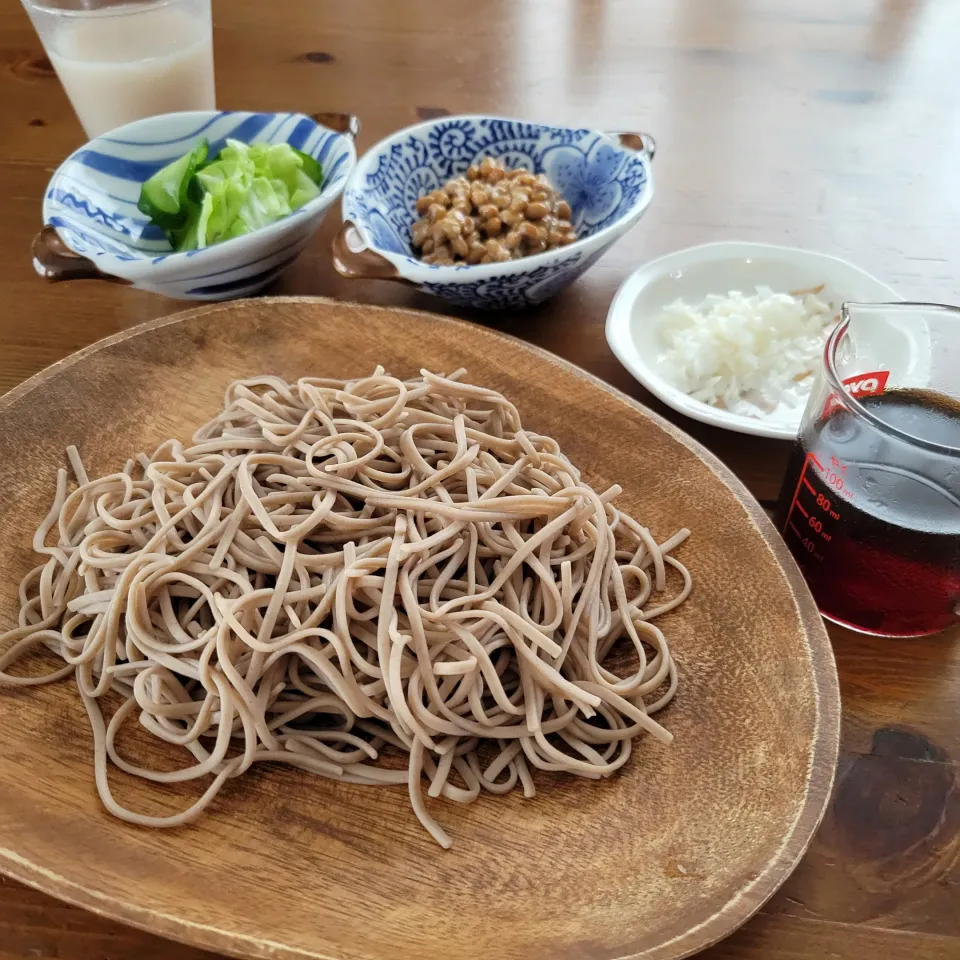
[{"x": 870, "y": 505}]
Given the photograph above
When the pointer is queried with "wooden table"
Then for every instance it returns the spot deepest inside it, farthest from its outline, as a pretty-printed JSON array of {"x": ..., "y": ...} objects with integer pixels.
[{"x": 829, "y": 124}]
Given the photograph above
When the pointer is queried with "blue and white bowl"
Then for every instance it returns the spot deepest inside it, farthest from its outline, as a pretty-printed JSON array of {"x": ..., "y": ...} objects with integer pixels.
[
  {"x": 605, "y": 177},
  {"x": 94, "y": 229}
]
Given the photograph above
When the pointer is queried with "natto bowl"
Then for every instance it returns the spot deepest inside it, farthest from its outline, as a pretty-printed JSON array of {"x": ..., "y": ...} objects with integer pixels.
[{"x": 605, "y": 177}]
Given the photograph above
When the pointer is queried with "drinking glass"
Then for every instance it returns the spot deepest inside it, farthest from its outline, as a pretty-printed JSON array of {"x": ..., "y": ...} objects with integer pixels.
[{"x": 121, "y": 61}]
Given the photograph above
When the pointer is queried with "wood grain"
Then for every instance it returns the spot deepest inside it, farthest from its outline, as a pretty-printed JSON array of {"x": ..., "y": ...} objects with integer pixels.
[
  {"x": 890, "y": 843},
  {"x": 792, "y": 939},
  {"x": 31, "y": 925},
  {"x": 664, "y": 860},
  {"x": 826, "y": 125}
]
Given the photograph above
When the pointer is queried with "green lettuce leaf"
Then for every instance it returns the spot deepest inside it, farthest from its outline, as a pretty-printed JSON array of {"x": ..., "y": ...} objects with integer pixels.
[
  {"x": 297, "y": 171},
  {"x": 200, "y": 203}
]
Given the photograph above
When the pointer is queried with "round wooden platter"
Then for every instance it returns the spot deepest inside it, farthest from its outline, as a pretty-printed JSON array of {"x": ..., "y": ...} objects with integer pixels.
[{"x": 658, "y": 862}]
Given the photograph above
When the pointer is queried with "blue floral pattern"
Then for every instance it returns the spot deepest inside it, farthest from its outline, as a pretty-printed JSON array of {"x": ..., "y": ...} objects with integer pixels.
[
  {"x": 384, "y": 235},
  {"x": 514, "y": 291},
  {"x": 588, "y": 181},
  {"x": 454, "y": 140},
  {"x": 603, "y": 183}
]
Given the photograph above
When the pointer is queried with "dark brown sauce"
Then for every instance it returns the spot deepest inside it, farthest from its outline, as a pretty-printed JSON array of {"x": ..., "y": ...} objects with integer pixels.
[{"x": 874, "y": 521}]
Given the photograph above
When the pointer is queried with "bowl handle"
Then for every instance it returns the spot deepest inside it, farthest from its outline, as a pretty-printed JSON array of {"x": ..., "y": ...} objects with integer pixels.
[
  {"x": 353, "y": 259},
  {"x": 55, "y": 261},
  {"x": 346, "y": 123},
  {"x": 636, "y": 142}
]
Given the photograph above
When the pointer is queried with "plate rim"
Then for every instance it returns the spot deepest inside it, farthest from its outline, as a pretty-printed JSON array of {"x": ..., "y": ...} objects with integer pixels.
[
  {"x": 617, "y": 323},
  {"x": 722, "y": 922}
]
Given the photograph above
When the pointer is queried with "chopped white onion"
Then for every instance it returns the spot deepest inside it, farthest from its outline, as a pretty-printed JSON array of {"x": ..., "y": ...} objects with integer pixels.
[{"x": 752, "y": 355}]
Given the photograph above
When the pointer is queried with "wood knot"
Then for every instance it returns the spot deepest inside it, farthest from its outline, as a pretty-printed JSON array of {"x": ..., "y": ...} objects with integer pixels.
[
  {"x": 901, "y": 742},
  {"x": 895, "y": 811},
  {"x": 317, "y": 56},
  {"x": 25, "y": 66}
]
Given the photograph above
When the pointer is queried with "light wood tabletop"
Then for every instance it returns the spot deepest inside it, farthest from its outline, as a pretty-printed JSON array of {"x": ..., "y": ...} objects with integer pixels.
[{"x": 827, "y": 124}]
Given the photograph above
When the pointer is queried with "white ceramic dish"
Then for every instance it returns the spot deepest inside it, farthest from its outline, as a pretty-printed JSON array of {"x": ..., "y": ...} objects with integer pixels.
[{"x": 693, "y": 273}]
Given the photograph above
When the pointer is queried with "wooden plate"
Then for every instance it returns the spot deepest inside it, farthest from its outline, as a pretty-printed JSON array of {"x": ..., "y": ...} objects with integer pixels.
[{"x": 660, "y": 861}]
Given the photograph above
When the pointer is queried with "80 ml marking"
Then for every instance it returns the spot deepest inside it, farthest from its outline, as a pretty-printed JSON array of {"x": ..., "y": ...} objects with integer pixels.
[{"x": 824, "y": 504}]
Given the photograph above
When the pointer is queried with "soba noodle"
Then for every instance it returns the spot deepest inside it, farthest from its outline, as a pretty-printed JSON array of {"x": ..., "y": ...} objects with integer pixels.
[{"x": 335, "y": 571}]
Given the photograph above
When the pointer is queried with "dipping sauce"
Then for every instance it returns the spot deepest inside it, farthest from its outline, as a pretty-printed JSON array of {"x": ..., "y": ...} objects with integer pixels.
[{"x": 873, "y": 522}]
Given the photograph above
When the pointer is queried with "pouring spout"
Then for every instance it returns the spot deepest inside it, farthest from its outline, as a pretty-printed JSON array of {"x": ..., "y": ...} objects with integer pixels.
[
  {"x": 914, "y": 345},
  {"x": 903, "y": 310}
]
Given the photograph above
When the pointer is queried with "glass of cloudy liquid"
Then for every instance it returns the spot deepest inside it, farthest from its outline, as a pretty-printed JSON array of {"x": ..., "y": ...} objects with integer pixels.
[{"x": 120, "y": 61}]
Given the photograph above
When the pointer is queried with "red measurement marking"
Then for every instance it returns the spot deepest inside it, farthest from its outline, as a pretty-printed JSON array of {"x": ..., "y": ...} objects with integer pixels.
[
  {"x": 789, "y": 524},
  {"x": 796, "y": 493}
]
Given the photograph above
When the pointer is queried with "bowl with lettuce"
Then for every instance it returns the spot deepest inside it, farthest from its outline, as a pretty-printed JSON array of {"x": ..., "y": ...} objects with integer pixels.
[{"x": 204, "y": 205}]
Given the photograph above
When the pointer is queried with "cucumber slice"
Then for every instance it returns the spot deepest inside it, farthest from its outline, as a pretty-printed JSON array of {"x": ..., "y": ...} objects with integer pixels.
[
  {"x": 310, "y": 166},
  {"x": 163, "y": 198}
]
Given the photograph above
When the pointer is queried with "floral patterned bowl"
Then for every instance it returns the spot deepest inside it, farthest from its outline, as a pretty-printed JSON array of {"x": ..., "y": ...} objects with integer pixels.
[{"x": 605, "y": 177}]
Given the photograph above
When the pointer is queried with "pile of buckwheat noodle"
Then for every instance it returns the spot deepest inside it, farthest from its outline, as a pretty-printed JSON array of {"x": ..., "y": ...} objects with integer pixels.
[{"x": 335, "y": 571}]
